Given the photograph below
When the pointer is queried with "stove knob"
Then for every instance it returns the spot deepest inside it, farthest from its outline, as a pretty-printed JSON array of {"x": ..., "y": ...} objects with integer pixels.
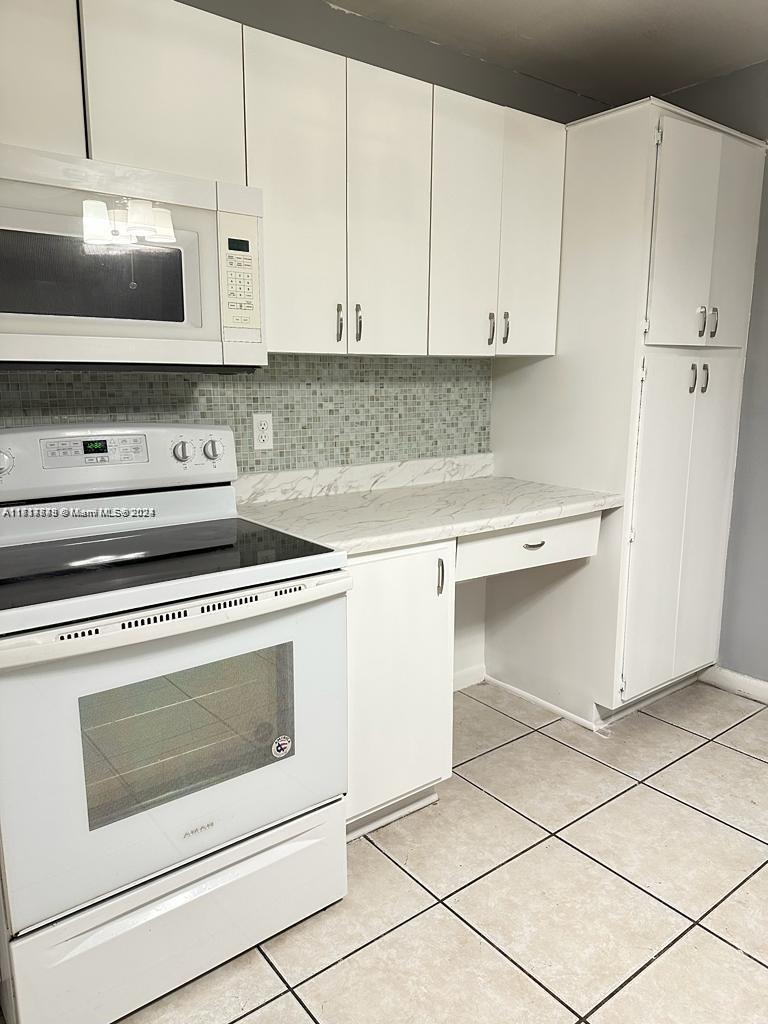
[
  {"x": 6, "y": 462},
  {"x": 182, "y": 451},
  {"x": 212, "y": 449}
]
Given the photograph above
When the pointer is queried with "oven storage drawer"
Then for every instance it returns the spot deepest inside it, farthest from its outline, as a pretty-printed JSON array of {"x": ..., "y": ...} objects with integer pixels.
[
  {"x": 108, "y": 960},
  {"x": 524, "y": 547}
]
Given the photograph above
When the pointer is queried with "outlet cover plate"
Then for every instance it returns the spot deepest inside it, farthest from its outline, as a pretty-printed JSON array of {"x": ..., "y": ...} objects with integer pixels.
[{"x": 262, "y": 431}]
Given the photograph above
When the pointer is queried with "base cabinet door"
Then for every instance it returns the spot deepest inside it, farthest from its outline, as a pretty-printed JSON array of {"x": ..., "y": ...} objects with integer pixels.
[
  {"x": 295, "y": 110},
  {"x": 467, "y": 155},
  {"x": 531, "y": 222},
  {"x": 658, "y": 518},
  {"x": 400, "y": 642},
  {"x": 708, "y": 508}
]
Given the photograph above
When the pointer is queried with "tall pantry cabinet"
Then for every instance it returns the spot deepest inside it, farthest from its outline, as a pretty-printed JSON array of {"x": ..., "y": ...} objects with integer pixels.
[{"x": 661, "y": 214}]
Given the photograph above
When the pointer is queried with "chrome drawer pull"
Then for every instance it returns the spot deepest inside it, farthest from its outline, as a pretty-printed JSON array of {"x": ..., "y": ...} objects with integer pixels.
[
  {"x": 701, "y": 312},
  {"x": 339, "y": 321},
  {"x": 694, "y": 378},
  {"x": 440, "y": 576},
  {"x": 536, "y": 546}
]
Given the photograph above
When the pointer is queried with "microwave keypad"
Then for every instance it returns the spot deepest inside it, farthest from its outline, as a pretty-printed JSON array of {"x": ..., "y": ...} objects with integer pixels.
[
  {"x": 240, "y": 290},
  {"x": 71, "y": 452}
]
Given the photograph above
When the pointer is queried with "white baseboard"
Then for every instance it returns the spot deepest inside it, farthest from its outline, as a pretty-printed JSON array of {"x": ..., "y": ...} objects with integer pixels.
[
  {"x": 585, "y": 722},
  {"x": 468, "y": 676},
  {"x": 727, "y": 679}
]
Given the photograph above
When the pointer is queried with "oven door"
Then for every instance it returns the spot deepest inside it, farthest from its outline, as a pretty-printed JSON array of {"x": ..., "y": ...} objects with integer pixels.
[
  {"x": 133, "y": 744},
  {"x": 67, "y": 298}
]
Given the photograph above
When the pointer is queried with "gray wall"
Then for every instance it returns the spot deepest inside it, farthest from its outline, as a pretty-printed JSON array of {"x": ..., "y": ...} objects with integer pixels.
[
  {"x": 318, "y": 24},
  {"x": 740, "y": 100}
]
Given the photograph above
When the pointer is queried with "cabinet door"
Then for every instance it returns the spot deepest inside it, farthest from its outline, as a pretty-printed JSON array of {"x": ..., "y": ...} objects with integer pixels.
[
  {"x": 296, "y": 130},
  {"x": 41, "y": 93},
  {"x": 658, "y": 517},
  {"x": 468, "y": 144},
  {"x": 687, "y": 179},
  {"x": 389, "y": 148},
  {"x": 708, "y": 508},
  {"x": 400, "y": 641},
  {"x": 531, "y": 221},
  {"x": 735, "y": 247},
  {"x": 164, "y": 87}
]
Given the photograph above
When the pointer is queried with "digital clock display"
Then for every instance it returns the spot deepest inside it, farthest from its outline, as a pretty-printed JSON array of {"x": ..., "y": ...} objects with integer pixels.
[{"x": 95, "y": 447}]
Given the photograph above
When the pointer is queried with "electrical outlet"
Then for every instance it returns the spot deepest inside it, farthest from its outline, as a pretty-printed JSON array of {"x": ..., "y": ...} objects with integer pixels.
[{"x": 262, "y": 431}]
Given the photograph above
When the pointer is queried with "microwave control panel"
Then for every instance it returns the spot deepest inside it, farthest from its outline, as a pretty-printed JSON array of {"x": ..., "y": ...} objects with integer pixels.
[
  {"x": 112, "y": 450},
  {"x": 240, "y": 272}
]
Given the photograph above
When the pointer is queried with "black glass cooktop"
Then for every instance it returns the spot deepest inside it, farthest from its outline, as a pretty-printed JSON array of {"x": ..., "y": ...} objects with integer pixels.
[{"x": 59, "y": 570}]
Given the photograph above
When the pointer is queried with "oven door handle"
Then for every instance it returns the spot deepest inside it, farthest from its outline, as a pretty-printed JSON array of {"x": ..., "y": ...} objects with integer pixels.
[{"x": 131, "y": 628}]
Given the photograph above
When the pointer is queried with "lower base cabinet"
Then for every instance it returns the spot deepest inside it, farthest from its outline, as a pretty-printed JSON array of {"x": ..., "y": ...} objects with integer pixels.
[{"x": 400, "y": 629}]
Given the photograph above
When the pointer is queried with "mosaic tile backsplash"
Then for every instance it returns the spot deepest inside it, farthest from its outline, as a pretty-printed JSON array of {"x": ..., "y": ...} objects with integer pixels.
[{"x": 327, "y": 410}]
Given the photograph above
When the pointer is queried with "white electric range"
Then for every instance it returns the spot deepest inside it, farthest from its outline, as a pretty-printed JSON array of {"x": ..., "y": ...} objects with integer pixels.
[{"x": 172, "y": 719}]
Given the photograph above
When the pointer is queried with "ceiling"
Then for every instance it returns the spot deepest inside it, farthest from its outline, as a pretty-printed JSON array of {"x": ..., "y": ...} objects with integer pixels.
[{"x": 611, "y": 50}]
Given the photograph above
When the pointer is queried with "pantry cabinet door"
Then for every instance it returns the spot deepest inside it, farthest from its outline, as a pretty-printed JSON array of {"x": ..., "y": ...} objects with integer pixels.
[
  {"x": 687, "y": 179},
  {"x": 164, "y": 87},
  {"x": 735, "y": 245},
  {"x": 708, "y": 508},
  {"x": 658, "y": 519},
  {"x": 296, "y": 131},
  {"x": 400, "y": 640},
  {"x": 389, "y": 133},
  {"x": 531, "y": 222},
  {"x": 468, "y": 145},
  {"x": 41, "y": 93}
]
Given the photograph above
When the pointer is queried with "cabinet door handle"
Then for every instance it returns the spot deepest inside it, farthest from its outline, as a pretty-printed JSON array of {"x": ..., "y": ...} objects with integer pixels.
[
  {"x": 491, "y": 327},
  {"x": 705, "y": 385},
  {"x": 694, "y": 378},
  {"x": 440, "y": 576},
  {"x": 534, "y": 547},
  {"x": 505, "y": 335},
  {"x": 716, "y": 315},
  {"x": 339, "y": 321},
  {"x": 358, "y": 322},
  {"x": 702, "y": 315}
]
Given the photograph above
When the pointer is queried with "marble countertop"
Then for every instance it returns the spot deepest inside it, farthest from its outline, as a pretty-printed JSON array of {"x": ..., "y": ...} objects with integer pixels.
[{"x": 379, "y": 518}]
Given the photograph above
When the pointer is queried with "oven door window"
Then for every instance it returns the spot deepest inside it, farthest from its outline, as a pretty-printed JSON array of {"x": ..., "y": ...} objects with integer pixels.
[
  {"x": 61, "y": 275},
  {"x": 159, "y": 739}
]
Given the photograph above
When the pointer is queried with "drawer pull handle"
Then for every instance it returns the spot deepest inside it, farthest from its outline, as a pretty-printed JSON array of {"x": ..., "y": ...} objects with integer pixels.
[
  {"x": 536, "y": 546},
  {"x": 440, "y": 576}
]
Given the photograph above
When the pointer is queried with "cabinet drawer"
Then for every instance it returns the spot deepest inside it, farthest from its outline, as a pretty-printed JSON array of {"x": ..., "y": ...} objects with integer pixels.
[{"x": 526, "y": 546}]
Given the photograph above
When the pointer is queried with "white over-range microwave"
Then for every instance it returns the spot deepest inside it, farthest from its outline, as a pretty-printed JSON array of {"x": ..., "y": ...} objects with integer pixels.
[{"x": 101, "y": 263}]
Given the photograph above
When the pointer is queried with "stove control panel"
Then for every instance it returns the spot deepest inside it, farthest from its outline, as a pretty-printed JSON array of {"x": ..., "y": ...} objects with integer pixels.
[
  {"x": 112, "y": 450},
  {"x": 60, "y": 460}
]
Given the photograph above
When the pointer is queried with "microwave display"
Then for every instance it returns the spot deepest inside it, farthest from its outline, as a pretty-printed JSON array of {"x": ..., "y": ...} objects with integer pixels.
[{"x": 59, "y": 275}]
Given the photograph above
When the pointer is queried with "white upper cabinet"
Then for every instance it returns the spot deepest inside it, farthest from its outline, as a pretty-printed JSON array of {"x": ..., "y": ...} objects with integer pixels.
[
  {"x": 389, "y": 139},
  {"x": 531, "y": 222},
  {"x": 41, "y": 96},
  {"x": 296, "y": 132},
  {"x": 708, "y": 191},
  {"x": 736, "y": 227},
  {"x": 164, "y": 87},
  {"x": 468, "y": 148}
]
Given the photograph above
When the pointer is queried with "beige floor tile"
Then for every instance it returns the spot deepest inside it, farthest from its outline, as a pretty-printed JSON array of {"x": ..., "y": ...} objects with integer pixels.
[
  {"x": 751, "y": 736},
  {"x": 637, "y": 745},
  {"x": 743, "y": 917},
  {"x": 723, "y": 782},
  {"x": 504, "y": 700},
  {"x": 545, "y": 780},
  {"x": 218, "y": 997},
  {"x": 575, "y": 926},
  {"x": 380, "y": 897},
  {"x": 676, "y": 853},
  {"x": 700, "y": 980},
  {"x": 477, "y": 728},
  {"x": 433, "y": 970},
  {"x": 702, "y": 708},
  {"x": 285, "y": 1010},
  {"x": 457, "y": 839}
]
